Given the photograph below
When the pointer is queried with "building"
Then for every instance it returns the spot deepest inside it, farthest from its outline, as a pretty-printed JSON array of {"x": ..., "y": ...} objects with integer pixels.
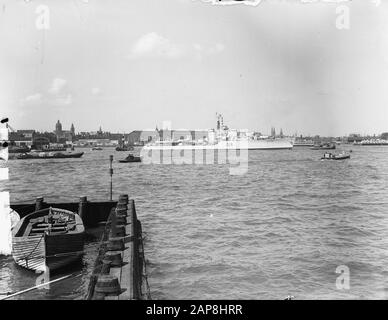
[
  {"x": 64, "y": 136},
  {"x": 22, "y": 138},
  {"x": 354, "y": 137},
  {"x": 141, "y": 137},
  {"x": 95, "y": 142},
  {"x": 273, "y": 132},
  {"x": 58, "y": 129}
]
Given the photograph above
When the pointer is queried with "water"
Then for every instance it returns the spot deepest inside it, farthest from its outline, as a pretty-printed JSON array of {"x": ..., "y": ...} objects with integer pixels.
[{"x": 281, "y": 229}]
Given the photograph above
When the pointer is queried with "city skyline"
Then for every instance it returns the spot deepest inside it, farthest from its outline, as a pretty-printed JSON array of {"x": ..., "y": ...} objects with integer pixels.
[
  {"x": 59, "y": 129},
  {"x": 125, "y": 67}
]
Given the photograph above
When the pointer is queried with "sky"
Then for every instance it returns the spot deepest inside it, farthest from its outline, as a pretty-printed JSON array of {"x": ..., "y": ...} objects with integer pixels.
[{"x": 131, "y": 65}]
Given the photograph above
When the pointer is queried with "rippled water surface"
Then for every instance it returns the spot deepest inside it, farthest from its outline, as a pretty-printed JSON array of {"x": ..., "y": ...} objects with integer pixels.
[{"x": 280, "y": 229}]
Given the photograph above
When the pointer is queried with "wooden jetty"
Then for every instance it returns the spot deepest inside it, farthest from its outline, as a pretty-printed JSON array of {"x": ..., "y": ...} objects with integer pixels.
[{"x": 119, "y": 271}]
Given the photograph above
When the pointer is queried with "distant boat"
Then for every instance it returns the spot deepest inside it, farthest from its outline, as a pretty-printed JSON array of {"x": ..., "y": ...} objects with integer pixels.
[
  {"x": 130, "y": 158},
  {"x": 331, "y": 156},
  {"x": 124, "y": 148},
  {"x": 326, "y": 146},
  {"x": 51, "y": 149},
  {"x": 96, "y": 148},
  {"x": 374, "y": 142},
  {"x": 303, "y": 144},
  {"x": 49, "y": 155},
  {"x": 50, "y": 237}
]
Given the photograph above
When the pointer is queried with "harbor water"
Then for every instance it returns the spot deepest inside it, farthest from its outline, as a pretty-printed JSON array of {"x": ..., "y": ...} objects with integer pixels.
[{"x": 282, "y": 228}]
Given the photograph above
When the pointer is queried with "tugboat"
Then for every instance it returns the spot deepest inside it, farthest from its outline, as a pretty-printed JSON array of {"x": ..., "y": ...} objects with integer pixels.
[
  {"x": 331, "y": 156},
  {"x": 130, "y": 158},
  {"x": 123, "y": 146},
  {"x": 49, "y": 238}
]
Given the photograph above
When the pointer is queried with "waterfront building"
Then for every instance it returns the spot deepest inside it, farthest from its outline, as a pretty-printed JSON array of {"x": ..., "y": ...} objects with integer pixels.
[
  {"x": 21, "y": 138},
  {"x": 273, "y": 132},
  {"x": 384, "y": 136},
  {"x": 94, "y": 142},
  {"x": 354, "y": 137}
]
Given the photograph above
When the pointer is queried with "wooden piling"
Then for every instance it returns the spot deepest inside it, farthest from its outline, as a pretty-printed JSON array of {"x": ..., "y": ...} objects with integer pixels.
[
  {"x": 124, "y": 249},
  {"x": 39, "y": 203},
  {"x": 82, "y": 207}
]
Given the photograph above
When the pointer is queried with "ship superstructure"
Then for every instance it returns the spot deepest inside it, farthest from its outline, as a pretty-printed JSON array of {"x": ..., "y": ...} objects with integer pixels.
[{"x": 223, "y": 138}]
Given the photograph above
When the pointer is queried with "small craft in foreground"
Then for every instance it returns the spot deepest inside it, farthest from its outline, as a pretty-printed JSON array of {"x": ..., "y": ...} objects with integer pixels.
[{"x": 49, "y": 238}]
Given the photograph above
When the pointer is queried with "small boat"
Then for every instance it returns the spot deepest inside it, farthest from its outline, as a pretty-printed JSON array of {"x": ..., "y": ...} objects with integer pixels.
[
  {"x": 130, "y": 158},
  {"x": 331, "y": 156},
  {"x": 124, "y": 148},
  {"x": 327, "y": 146},
  {"x": 49, "y": 238},
  {"x": 49, "y": 155},
  {"x": 303, "y": 144},
  {"x": 97, "y": 148}
]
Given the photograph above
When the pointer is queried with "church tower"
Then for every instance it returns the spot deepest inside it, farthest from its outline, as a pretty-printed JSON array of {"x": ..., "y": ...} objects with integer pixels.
[{"x": 58, "y": 128}]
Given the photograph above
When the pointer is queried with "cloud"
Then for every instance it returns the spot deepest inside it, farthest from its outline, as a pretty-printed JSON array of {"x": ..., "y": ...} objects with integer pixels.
[
  {"x": 153, "y": 45},
  {"x": 64, "y": 100},
  {"x": 95, "y": 91},
  {"x": 57, "y": 85},
  {"x": 59, "y": 96},
  {"x": 209, "y": 50},
  {"x": 36, "y": 97}
]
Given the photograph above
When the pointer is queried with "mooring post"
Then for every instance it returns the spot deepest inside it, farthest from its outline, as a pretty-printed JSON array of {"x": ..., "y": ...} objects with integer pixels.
[
  {"x": 82, "y": 206},
  {"x": 123, "y": 198},
  {"x": 38, "y": 203},
  {"x": 111, "y": 174}
]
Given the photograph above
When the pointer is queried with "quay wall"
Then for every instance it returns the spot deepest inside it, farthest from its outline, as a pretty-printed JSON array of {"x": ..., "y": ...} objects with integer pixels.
[{"x": 119, "y": 271}]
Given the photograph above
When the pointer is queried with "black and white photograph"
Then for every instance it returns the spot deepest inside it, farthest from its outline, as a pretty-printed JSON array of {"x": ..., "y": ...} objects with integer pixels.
[{"x": 193, "y": 150}]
